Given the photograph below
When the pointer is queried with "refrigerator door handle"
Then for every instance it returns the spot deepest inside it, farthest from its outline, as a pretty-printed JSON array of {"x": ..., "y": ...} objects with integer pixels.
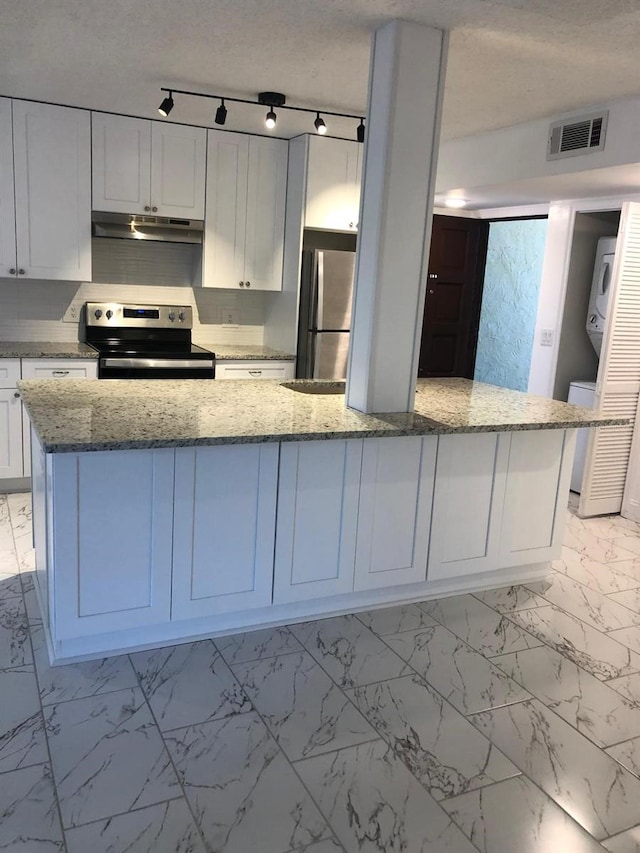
[{"x": 319, "y": 290}]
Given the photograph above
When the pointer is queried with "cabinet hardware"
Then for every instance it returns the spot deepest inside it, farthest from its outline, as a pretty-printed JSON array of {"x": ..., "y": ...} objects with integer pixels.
[
  {"x": 255, "y": 372},
  {"x": 13, "y": 270},
  {"x": 21, "y": 271},
  {"x": 147, "y": 208},
  {"x": 248, "y": 284},
  {"x": 60, "y": 372},
  {"x": 242, "y": 284},
  {"x": 154, "y": 209},
  {"x": 433, "y": 275},
  {"x": 16, "y": 394}
]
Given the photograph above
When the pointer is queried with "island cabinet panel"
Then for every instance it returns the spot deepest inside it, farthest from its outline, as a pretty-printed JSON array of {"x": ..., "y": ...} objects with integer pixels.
[
  {"x": 535, "y": 506},
  {"x": 467, "y": 504},
  {"x": 317, "y": 519},
  {"x": 113, "y": 570},
  {"x": 224, "y": 528},
  {"x": 394, "y": 520},
  {"x": 10, "y": 433}
]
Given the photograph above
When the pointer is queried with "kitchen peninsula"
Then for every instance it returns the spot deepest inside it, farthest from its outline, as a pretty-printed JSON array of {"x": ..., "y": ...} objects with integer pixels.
[{"x": 170, "y": 510}]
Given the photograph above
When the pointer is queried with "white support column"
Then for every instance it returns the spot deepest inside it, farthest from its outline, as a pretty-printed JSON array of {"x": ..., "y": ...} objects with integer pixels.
[{"x": 406, "y": 84}]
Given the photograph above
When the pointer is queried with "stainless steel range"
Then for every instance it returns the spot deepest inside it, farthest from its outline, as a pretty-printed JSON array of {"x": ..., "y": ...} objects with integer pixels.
[{"x": 146, "y": 342}]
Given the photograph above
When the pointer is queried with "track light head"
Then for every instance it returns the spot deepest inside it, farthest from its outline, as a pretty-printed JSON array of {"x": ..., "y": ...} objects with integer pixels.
[
  {"x": 221, "y": 113},
  {"x": 360, "y": 131},
  {"x": 319, "y": 125},
  {"x": 166, "y": 106},
  {"x": 271, "y": 120}
]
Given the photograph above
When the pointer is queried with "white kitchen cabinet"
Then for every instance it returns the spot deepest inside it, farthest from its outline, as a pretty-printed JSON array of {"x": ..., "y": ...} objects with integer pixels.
[
  {"x": 334, "y": 170},
  {"x": 394, "y": 519},
  {"x": 244, "y": 220},
  {"x": 467, "y": 504},
  {"x": 249, "y": 369},
  {"x": 150, "y": 167},
  {"x": 317, "y": 519},
  {"x": 224, "y": 528},
  {"x": 10, "y": 419},
  {"x": 111, "y": 574},
  {"x": 51, "y": 217}
]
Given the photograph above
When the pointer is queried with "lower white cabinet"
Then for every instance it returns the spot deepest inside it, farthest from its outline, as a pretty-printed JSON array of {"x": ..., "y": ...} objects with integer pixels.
[
  {"x": 10, "y": 433},
  {"x": 467, "y": 504},
  {"x": 224, "y": 528},
  {"x": 394, "y": 518},
  {"x": 317, "y": 519},
  {"x": 267, "y": 369},
  {"x": 112, "y": 572}
]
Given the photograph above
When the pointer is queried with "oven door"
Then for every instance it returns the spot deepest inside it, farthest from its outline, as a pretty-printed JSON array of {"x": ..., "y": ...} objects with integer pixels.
[{"x": 120, "y": 367}]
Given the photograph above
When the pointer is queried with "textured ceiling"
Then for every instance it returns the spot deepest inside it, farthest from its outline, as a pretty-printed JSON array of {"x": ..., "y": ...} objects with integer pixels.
[{"x": 510, "y": 60}]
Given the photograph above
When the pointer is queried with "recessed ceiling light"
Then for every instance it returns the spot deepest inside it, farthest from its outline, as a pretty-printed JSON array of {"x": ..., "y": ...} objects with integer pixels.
[{"x": 455, "y": 202}]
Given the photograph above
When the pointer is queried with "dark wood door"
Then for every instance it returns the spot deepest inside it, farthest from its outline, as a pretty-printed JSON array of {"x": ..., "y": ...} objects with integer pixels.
[{"x": 454, "y": 295}]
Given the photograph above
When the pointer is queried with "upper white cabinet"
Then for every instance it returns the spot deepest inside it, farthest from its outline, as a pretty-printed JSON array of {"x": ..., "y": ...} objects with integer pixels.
[
  {"x": 244, "y": 229},
  {"x": 142, "y": 166},
  {"x": 45, "y": 191},
  {"x": 334, "y": 170}
]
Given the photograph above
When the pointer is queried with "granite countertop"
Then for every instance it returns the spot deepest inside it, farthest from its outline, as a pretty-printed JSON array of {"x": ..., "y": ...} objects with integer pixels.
[
  {"x": 83, "y": 415},
  {"x": 46, "y": 349},
  {"x": 248, "y": 352}
]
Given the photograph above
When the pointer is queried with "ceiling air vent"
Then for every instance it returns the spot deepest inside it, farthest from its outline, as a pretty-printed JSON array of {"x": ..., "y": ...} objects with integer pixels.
[{"x": 581, "y": 135}]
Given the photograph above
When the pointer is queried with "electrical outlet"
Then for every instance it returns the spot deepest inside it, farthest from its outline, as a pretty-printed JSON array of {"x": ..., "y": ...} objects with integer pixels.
[
  {"x": 546, "y": 338},
  {"x": 230, "y": 317},
  {"x": 72, "y": 314}
]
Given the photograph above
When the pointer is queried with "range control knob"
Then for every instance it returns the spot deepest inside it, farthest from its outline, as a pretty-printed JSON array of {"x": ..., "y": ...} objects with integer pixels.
[
  {"x": 109, "y": 314},
  {"x": 97, "y": 313},
  {"x": 172, "y": 316},
  {"x": 592, "y": 318},
  {"x": 181, "y": 316}
]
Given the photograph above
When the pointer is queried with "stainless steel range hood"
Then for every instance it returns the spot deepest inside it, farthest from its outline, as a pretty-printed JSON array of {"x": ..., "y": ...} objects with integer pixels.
[{"x": 126, "y": 226}]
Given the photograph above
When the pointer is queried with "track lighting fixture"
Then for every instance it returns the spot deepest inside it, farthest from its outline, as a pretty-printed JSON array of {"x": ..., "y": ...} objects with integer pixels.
[
  {"x": 167, "y": 105},
  {"x": 319, "y": 125},
  {"x": 273, "y": 100},
  {"x": 221, "y": 113},
  {"x": 271, "y": 120}
]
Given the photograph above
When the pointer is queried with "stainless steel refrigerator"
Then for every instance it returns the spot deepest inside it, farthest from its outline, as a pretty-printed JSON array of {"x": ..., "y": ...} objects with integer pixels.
[{"x": 325, "y": 307}]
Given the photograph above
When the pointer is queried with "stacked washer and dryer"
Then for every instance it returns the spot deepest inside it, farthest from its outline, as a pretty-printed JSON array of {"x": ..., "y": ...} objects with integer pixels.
[{"x": 582, "y": 392}]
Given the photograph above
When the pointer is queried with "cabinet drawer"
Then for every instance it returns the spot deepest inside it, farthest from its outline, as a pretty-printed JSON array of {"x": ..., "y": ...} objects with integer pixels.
[
  {"x": 63, "y": 368},
  {"x": 9, "y": 372},
  {"x": 254, "y": 370}
]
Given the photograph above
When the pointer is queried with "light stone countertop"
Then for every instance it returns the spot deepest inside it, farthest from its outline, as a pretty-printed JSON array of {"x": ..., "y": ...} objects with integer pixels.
[
  {"x": 46, "y": 349},
  {"x": 93, "y": 415},
  {"x": 245, "y": 352}
]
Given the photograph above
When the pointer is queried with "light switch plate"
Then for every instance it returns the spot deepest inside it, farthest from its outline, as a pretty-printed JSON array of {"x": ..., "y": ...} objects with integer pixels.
[{"x": 546, "y": 338}]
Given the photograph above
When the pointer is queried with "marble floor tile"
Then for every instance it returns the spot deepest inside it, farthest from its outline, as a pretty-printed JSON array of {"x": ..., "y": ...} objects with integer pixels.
[
  {"x": 627, "y": 754},
  {"x": 188, "y": 684},
  {"x": 394, "y": 813},
  {"x": 302, "y": 707},
  {"x": 589, "y": 606},
  {"x": 165, "y": 828},
  {"x": 254, "y": 645},
  {"x": 588, "y": 784},
  {"x": 10, "y": 586},
  {"x": 32, "y": 606},
  {"x": 464, "y": 677},
  {"x": 597, "y": 576},
  {"x": 628, "y": 686},
  {"x": 243, "y": 792},
  {"x": 8, "y": 558},
  {"x": 509, "y": 598},
  {"x": 629, "y": 637},
  {"x": 22, "y": 738},
  {"x": 78, "y": 680},
  {"x": 588, "y": 704},
  {"x": 517, "y": 817},
  {"x": 108, "y": 756},
  {"x": 437, "y": 743},
  {"x": 327, "y": 845},
  {"x": 605, "y": 527},
  {"x": 630, "y": 542},
  {"x": 393, "y": 620},
  {"x": 15, "y": 649},
  {"x": 349, "y": 651},
  {"x": 631, "y": 568},
  {"x": 586, "y": 541},
  {"x": 478, "y": 625},
  {"x": 29, "y": 821},
  {"x": 628, "y": 598},
  {"x": 585, "y": 646},
  {"x": 626, "y": 842}
]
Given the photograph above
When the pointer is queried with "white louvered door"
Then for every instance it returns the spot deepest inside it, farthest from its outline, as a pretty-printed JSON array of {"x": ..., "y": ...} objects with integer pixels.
[{"x": 618, "y": 382}]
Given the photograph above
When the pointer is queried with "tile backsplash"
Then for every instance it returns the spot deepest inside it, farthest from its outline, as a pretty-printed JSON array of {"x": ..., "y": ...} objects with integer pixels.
[{"x": 33, "y": 310}]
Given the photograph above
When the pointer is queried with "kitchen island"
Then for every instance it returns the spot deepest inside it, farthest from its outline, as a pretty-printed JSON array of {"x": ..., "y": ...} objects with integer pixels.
[{"x": 172, "y": 510}]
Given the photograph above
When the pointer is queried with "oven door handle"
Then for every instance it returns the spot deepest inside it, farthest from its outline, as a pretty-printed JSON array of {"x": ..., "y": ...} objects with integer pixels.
[{"x": 160, "y": 363}]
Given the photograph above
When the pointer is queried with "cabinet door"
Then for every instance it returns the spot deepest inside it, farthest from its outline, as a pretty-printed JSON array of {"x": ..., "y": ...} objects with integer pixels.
[
  {"x": 255, "y": 369},
  {"x": 317, "y": 519},
  {"x": 394, "y": 519},
  {"x": 7, "y": 206},
  {"x": 333, "y": 184},
  {"x": 266, "y": 194},
  {"x": 10, "y": 433},
  {"x": 52, "y": 156},
  {"x": 535, "y": 506},
  {"x": 467, "y": 504},
  {"x": 226, "y": 209},
  {"x": 224, "y": 527},
  {"x": 178, "y": 157},
  {"x": 112, "y": 559},
  {"x": 121, "y": 164}
]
